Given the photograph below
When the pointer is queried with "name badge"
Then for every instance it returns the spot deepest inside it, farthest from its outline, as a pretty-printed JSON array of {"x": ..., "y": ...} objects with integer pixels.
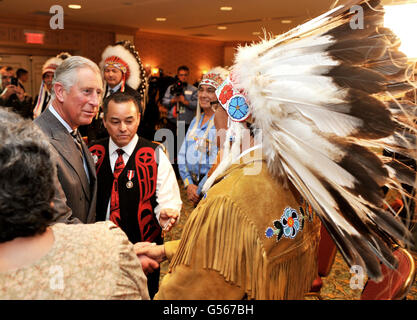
[{"x": 188, "y": 92}]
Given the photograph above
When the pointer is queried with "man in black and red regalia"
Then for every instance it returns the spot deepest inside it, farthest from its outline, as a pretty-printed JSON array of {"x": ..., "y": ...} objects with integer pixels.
[{"x": 137, "y": 187}]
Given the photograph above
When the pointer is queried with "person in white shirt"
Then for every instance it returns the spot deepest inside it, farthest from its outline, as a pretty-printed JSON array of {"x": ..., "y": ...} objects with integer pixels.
[{"x": 137, "y": 186}]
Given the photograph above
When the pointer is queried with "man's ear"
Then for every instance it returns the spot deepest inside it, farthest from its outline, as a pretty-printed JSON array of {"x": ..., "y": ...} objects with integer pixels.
[{"x": 59, "y": 91}]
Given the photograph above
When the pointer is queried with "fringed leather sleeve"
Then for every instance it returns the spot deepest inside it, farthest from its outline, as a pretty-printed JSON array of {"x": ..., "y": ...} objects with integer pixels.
[{"x": 220, "y": 236}]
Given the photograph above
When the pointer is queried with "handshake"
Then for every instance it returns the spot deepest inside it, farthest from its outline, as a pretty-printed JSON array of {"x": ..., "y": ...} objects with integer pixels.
[{"x": 150, "y": 254}]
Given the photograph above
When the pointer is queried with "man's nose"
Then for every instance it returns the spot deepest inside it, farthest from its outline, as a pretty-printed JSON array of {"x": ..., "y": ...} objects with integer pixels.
[
  {"x": 95, "y": 99},
  {"x": 122, "y": 126}
]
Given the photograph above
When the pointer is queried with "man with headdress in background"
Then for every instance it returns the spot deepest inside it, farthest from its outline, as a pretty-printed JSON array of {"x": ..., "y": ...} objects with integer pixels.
[
  {"x": 48, "y": 71},
  {"x": 122, "y": 72}
]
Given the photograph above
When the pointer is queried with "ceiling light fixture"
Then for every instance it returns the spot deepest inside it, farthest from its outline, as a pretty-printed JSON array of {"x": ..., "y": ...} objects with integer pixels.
[
  {"x": 74, "y": 6},
  {"x": 226, "y": 8},
  {"x": 161, "y": 19},
  {"x": 256, "y": 33},
  {"x": 286, "y": 21},
  {"x": 221, "y": 27}
]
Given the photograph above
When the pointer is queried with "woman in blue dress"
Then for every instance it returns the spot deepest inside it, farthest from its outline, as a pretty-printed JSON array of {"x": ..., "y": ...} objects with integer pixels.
[{"x": 199, "y": 149}]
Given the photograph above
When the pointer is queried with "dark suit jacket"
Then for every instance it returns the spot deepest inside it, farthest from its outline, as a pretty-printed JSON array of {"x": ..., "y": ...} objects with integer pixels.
[
  {"x": 130, "y": 91},
  {"x": 80, "y": 195}
]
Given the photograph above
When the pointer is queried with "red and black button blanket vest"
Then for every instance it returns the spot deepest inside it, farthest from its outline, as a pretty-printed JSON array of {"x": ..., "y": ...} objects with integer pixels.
[
  {"x": 137, "y": 195},
  {"x": 136, "y": 188}
]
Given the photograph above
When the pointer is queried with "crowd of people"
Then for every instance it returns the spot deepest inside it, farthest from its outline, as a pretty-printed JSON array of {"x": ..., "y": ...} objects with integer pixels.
[
  {"x": 102, "y": 168},
  {"x": 87, "y": 192}
]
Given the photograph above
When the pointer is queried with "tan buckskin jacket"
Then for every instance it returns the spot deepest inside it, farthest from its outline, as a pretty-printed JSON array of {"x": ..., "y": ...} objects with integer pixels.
[{"x": 249, "y": 238}]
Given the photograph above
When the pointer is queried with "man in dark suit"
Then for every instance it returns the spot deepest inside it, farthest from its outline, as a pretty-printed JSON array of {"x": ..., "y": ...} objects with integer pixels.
[
  {"x": 76, "y": 95},
  {"x": 22, "y": 76}
]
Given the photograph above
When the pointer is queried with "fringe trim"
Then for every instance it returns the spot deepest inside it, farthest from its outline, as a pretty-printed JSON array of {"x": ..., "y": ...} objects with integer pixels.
[
  {"x": 292, "y": 278},
  {"x": 230, "y": 244}
]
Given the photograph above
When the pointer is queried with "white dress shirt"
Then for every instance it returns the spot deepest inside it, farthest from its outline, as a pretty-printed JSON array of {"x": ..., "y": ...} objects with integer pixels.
[
  {"x": 114, "y": 89},
  {"x": 67, "y": 126},
  {"x": 167, "y": 190}
]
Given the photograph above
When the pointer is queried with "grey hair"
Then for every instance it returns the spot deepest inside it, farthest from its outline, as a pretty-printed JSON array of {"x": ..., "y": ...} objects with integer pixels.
[
  {"x": 66, "y": 73},
  {"x": 26, "y": 178}
]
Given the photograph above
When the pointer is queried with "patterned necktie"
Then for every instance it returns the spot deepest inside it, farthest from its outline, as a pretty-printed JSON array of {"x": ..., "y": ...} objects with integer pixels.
[
  {"x": 114, "y": 199},
  {"x": 110, "y": 92},
  {"x": 77, "y": 141}
]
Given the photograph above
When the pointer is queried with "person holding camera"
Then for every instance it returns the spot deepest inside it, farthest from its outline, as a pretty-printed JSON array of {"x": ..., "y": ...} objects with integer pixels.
[
  {"x": 13, "y": 96},
  {"x": 180, "y": 100}
]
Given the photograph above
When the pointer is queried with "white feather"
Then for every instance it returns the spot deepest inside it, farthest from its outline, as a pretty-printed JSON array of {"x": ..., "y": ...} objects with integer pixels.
[
  {"x": 308, "y": 126},
  {"x": 134, "y": 79}
]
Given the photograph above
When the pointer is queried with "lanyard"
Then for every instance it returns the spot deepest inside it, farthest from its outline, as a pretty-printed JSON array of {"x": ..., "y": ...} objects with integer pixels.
[{"x": 204, "y": 138}]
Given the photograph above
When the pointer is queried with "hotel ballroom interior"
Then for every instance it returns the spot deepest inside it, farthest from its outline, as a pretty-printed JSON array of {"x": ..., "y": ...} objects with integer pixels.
[{"x": 202, "y": 35}]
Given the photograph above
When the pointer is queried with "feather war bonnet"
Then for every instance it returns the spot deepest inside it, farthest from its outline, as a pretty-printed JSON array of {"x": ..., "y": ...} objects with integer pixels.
[{"x": 323, "y": 98}]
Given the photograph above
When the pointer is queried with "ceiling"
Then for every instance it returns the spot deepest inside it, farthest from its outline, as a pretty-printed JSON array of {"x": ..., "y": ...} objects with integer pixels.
[{"x": 191, "y": 18}]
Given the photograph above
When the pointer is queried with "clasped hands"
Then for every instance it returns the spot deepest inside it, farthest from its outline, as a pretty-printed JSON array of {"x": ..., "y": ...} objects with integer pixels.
[
  {"x": 192, "y": 194},
  {"x": 150, "y": 254},
  {"x": 180, "y": 99}
]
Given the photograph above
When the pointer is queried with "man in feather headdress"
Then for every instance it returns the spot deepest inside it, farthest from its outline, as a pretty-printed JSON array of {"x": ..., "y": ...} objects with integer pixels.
[
  {"x": 242, "y": 242},
  {"x": 320, "y": 98},
  {"x": 122, "y": 72},
  {"x": 48, "y": 71}
]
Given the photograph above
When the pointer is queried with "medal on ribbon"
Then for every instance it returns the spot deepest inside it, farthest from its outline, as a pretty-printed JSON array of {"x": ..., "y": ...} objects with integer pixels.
[{"x": 130, "y": 175}]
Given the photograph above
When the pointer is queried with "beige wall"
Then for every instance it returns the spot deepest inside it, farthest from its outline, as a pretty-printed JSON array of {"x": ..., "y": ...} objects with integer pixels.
[
  {"x": 169, "y": 52},
  {"x": 79, "y": 39},
  {"x": 157, "y": 50}
]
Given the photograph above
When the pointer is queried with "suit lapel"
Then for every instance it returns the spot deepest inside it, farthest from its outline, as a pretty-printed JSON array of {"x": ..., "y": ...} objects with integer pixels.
[
  {"x": 65, "y": 146},
  {"x": 90, "y": 164}
]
